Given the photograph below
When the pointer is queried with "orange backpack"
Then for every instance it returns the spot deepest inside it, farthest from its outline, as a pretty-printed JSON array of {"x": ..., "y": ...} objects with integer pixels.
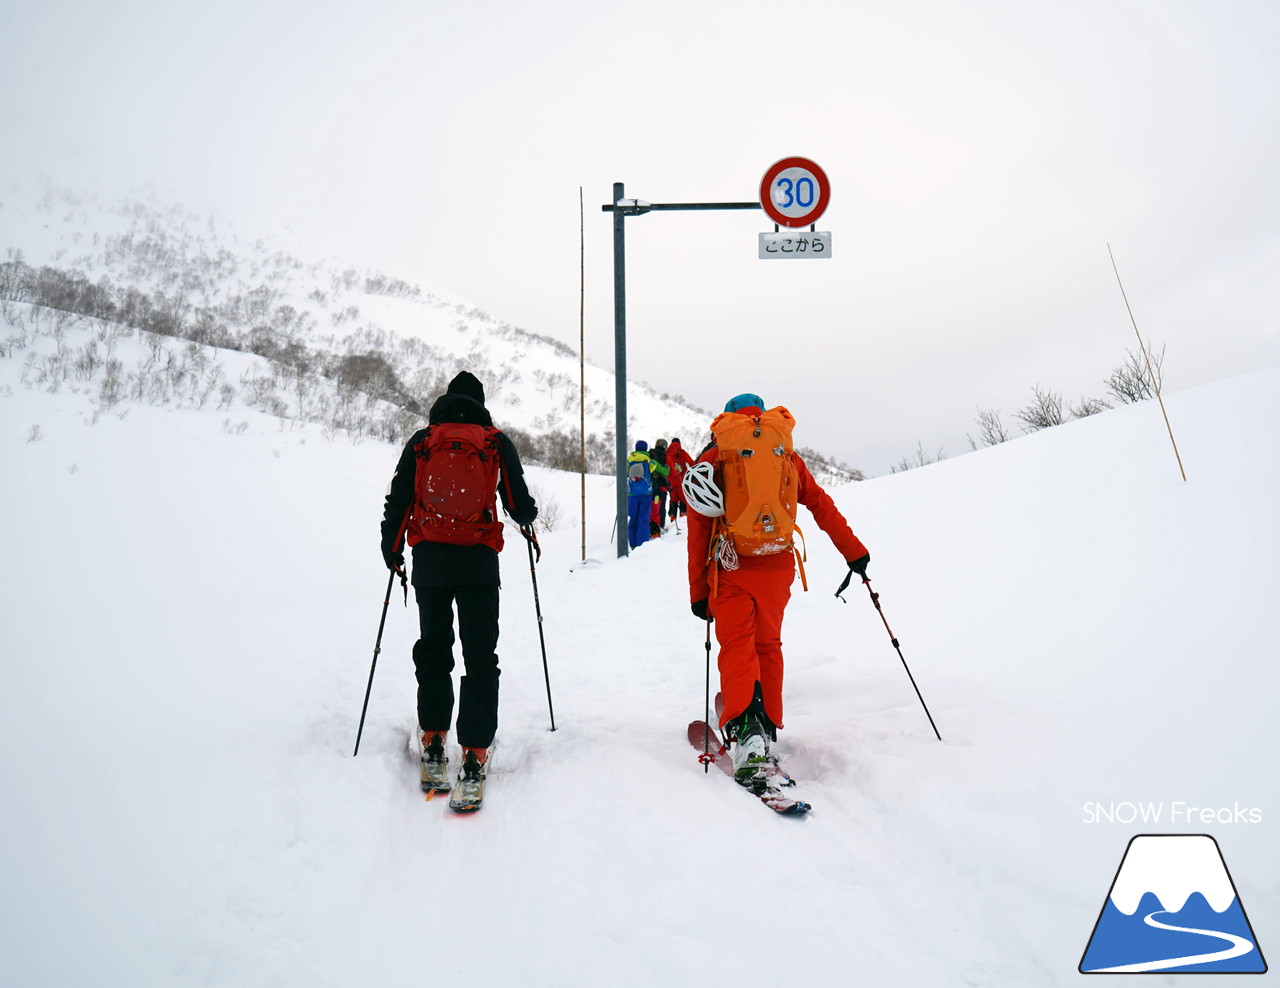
[{"x": 759, "y": 481}]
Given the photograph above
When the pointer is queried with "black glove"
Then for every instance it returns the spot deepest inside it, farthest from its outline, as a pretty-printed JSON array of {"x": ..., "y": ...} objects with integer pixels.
[
  {"x": 699, "y": 608},
  {"x": 859, "y": 565},
  {"x": 394, "y": 560}
]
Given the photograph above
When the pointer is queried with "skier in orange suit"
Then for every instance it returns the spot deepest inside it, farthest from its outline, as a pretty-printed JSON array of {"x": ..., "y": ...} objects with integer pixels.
[{"x": 747, "y": 603}]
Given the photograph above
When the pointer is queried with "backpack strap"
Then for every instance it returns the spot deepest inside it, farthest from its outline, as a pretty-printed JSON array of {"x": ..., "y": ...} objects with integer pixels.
[
  {"x": 502, "y": 470},
  {"x": 713, "y": 560},
  {"x": 801, "y": 555}
]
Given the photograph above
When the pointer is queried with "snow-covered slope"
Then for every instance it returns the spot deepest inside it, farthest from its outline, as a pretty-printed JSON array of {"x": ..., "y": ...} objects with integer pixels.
[
  {"x": 206, "y": 283},
  {"x": 189, "y": 616}
]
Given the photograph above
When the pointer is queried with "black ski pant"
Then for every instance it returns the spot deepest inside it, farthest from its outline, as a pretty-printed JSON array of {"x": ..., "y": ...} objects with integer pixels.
[{"x": 433, "y": 661}]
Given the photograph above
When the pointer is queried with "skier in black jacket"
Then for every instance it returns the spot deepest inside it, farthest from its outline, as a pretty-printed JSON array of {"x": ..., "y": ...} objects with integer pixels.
[{"x": 445, "y": 575}]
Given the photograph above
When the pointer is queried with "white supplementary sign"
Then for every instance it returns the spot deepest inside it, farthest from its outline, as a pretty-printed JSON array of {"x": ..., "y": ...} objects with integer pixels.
[{"x": 795, "y": 244}]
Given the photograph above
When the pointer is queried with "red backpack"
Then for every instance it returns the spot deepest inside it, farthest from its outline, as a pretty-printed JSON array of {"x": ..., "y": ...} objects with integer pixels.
[{"x": 454, "y": 486}]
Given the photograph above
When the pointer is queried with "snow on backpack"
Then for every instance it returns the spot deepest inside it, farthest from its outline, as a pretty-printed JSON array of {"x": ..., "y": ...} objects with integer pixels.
[
  {"x": 760, "y": 484},
  {"x": 455, "y": 482},
  {"x": 639, "y": 476}
]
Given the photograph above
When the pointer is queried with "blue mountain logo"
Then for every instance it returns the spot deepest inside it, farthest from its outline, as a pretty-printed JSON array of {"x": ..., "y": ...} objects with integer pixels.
[{"x": 1172, "y": 908}]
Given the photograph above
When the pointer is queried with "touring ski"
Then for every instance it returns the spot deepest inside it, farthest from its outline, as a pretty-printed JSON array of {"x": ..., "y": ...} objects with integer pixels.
[
  {"x": 766, "y": 787},
  {"x": 435, "y": 767},
  {"x": 468, "y": 790}
]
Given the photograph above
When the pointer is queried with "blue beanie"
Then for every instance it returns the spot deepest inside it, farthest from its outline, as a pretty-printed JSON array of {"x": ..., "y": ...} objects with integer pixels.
[
  {"x": 641, "y": 446},
  {"x": 744, "y": 401}
]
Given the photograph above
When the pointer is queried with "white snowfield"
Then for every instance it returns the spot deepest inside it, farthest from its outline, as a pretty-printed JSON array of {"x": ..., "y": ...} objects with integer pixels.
[{"x": 189, "y": 617}]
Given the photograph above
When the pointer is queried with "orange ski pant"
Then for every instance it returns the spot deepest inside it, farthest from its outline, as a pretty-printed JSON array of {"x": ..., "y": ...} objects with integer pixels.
[{"x": 748, "y": 607}]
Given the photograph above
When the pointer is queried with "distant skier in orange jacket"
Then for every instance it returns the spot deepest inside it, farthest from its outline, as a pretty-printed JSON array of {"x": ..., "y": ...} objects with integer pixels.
[{"x": 747, "y": 602}]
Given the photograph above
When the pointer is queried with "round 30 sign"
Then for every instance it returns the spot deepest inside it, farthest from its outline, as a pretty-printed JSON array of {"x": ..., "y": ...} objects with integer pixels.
[{"x": 794, "y": 192}]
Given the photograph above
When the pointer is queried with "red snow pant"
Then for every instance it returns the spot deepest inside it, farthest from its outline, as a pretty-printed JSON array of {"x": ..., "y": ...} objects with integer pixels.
[{"x": 747, "y": 608}]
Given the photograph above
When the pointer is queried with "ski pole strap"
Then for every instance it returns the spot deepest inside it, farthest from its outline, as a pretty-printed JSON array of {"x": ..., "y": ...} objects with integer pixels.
[
  {"x": 531, "y": 537},
  {"x": 844, "y": 586},
  {"x": 399, "y": 547}
]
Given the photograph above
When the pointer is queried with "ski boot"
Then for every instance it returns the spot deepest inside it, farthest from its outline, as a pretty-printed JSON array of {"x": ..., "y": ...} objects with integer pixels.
[
  {"x": 750, "y": 752},
  {"x": 468, "y": 790},
  {"x": 435, "y": 763}
]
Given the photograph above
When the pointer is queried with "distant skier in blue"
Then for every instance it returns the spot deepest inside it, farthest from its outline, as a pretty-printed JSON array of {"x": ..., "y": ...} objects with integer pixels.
[{"x": 639, "y": 494}]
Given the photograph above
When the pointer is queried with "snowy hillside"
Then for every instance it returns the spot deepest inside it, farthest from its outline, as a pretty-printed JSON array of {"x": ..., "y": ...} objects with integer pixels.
[
  {"x": 189, "y": 612},
  {"x": 336, "y": 336}
]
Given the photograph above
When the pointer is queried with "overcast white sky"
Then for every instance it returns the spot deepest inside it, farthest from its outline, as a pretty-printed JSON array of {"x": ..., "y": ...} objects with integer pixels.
[{"x": 981, "y": 155}]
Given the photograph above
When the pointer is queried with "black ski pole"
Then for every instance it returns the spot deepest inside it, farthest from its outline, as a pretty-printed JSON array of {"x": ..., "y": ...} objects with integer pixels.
[
  {"x": 706, "y": 741},
  {"x": 377, "y": 647},
  {"x": 532, "y": 540},
  {"x": 875, "y": 599}
]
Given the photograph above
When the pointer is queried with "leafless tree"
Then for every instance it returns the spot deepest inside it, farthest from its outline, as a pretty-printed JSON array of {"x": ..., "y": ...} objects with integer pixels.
[
  {"x": 1088, "y": 406},
  {"x": 991, "y": 431},
  {"x": 1131, "y": 381},
  {"x": 920, "y": 459},
  {"x": 550, "y": 514},
  {"x": 1044, "y": 411}
]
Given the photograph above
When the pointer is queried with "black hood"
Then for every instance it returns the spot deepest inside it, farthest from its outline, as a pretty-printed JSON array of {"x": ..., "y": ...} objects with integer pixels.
[{"x": 459, "y": 408}]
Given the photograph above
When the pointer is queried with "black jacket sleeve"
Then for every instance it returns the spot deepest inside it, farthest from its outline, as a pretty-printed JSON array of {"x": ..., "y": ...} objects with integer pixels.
[
  {"x": 516, "y": 499},
  {"x": 400, "y": 496}
]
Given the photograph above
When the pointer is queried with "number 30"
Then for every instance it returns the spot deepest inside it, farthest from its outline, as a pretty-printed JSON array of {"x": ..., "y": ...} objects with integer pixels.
[{"x": 799, "y": 193}]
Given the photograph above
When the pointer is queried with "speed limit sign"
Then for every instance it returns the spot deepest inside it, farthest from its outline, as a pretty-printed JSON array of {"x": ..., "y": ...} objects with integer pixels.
[{"x": 794, "y": 192}]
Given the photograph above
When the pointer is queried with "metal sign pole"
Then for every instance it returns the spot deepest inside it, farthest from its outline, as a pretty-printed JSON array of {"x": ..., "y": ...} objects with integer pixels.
[
  {"x": 620, "y": 364},
  {"x": 621, "y": 209}
]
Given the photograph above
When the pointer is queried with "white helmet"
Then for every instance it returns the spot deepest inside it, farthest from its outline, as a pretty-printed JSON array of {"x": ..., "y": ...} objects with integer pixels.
[{"x": 701, "y": 492}]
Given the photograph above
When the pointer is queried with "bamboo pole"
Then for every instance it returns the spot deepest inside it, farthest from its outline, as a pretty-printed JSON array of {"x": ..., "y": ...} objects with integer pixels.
[
  {"x": 582, "y": 367},
  {"x": 1155, "y": 382}
]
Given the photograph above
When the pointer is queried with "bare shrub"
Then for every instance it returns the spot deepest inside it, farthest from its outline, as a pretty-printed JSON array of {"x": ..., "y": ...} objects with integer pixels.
[
  {"x": 1131, "y": 381},
  {"x": 112, "y": 389},
  {"x": 827, "y": 468},
  {"x": 1044, "y": 411},
  {"x": 550, "y": 514},
  {"x": 563, "y": 450},
  {"x": 371, "y": 373},
  {"x": 1088, "y": 406},
  {"x": 919, "y": 459},
  {"x": 991, "y": 430}
]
